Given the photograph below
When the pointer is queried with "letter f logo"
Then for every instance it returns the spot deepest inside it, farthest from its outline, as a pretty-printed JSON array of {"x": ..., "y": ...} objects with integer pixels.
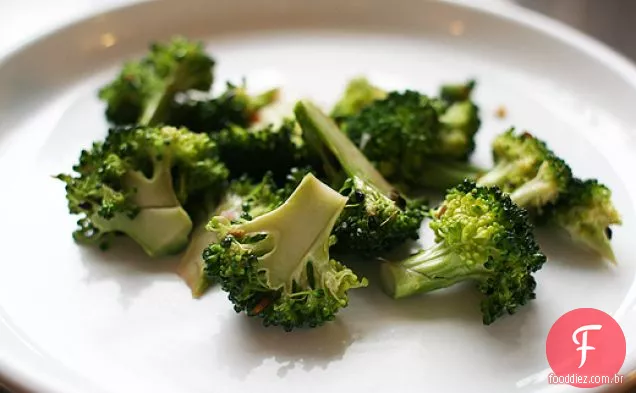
[{"x": 584, "y": 347}]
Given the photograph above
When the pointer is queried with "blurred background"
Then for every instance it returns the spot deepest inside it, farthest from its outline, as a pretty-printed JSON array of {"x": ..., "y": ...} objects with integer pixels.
[{"x": 610, "y": 21}]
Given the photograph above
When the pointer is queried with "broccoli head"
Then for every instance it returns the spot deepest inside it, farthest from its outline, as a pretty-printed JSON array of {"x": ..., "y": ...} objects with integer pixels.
[
  {"x": 277, "y": 266},
  {"x": 143, "y": 91},
  {"x": 417, "y": 140},
  {"x": 358, "y": 93},
  {"x": 482, "y": 236},
  {"x": 137, "y": 181},
  {"x": 233, "y": 108},
  {"x": 255, "y": 151},
  {"x": 376, "y": 217},
  {"x": 528, "y": 170},
  {"x": 586, "y": 212}
]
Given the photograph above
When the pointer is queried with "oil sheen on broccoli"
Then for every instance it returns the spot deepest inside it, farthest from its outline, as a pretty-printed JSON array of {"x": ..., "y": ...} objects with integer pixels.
[
  {"x": 587, "y": 213},
  {"x": 417, "y": 140},
  {"x": 480, "y": 236},
  {"x": 277, "y": 266},
  {"x": 137, "y": 181},
  {"x": 143, "y": 91},
  {"x": 376, "y": 217}
]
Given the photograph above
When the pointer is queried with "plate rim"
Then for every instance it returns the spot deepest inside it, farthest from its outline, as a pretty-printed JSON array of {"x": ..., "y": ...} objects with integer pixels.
[{"x": 22, "y": 380}]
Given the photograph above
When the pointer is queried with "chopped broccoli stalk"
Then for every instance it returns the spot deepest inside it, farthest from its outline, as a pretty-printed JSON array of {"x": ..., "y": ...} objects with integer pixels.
[
  {"x": 480, "y": 236},
  {"x": 277, "y": 266},
  {"x": 143, "y": 91},
  {"x": 255, "y": 151},
  {"x": 407, "y": 135},
  {"x": 358, "y": 93},
  {"x": 587, "y": 213},
  {"x": 137, "y": 182},
  {"x": 233, "y": 108},
  {"x": 528, "y": 170},
  {"x": 376, "y": 218}
]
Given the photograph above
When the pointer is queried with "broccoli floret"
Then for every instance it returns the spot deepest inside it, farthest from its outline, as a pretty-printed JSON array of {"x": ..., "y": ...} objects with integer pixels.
[
  {"x": 416, "y": 140},
  {"x": 243, "y": 200},
  {"x": 457, "y": 92},
  {"x": 233, "y": 108},
  {"x": 528, "y": 170},
  {"x": 143, "y": 91},
  {"x": 586, "y": 212},
  {"x": 358, "y": 93},
  {"x": 254, "y": 151},
  {"x": 277, "y": 266},
  {"x": 480, "y": 235},
  {"x": 376, "y": 218},
  {"x": 137, "y": 182}
]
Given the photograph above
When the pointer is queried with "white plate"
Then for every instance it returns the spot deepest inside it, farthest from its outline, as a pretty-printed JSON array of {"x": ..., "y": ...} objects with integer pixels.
[{"x": 77, "y": 320}]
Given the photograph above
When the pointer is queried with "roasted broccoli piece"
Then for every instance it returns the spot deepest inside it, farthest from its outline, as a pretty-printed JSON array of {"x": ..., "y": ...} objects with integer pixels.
[
  {"x": 244, "y": 199},
  {"x": 255, "y": 151},
  {"x": 143, "y": 91},
  {"x": 277, "y": 266},
  {"x": 528, "y": 170},
  {"x": 482, "y": 236},
  {"x": 358, "y": 93},
  {"x": 416, "y": 140},
  {"x": 586, "y": 212},
  {"x": 233, "y": 108},
  {"x": 137, "y": 182},
  {"x": 376, "y": 217}
]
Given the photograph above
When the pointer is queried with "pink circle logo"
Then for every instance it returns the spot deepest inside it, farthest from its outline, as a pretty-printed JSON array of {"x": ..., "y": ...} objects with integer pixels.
[{"x": 585, "y": 348}]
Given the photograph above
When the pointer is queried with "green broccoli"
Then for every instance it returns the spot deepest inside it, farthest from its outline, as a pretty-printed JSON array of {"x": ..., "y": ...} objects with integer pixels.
[
  {"x": 137, "y": 182},
  {"x": 255, "y": 151},
  {"x": 528, "y": 170},
  {"x": 358, "y": 93},
  {"x": 457, "y": 92},
  {"x": 233, "y": 108},
  {"x": 376, "y": 218},
  {"x": 481, "y": 236},
  {"x": 586, "y": 212},
  {"x": 277, "y": 266},
  {"x": 416, "y": 140},
  {"x": 144, "y": 90},
  {"x": 242, "y": 200}
]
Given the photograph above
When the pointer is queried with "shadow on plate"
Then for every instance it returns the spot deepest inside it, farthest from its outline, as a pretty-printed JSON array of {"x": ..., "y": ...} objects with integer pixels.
[
  {"x": 244, "y": 344},
  {"x": 127, "y": 265},
  {"x": 459, "y": 303},
  {"x": 559, "y": 248}
]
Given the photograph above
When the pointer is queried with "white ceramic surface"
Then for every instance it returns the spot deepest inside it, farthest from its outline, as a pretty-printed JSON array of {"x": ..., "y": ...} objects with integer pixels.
[{"x": 77, "y": 320}]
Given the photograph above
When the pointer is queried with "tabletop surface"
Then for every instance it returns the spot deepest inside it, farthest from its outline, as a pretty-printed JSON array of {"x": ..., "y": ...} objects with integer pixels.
[{"x": 610, "y": 21}]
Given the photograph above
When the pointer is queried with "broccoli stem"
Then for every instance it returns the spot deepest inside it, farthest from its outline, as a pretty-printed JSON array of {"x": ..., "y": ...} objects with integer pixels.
[
  {"x": 441, "y": 175},
  {"x": 496, "y": 175},
  {"x": 536, "y": 192},
  {"x": 158, "y": 191},
  {"x": 192, "y": 267},
  {"x": 354, "y": 163},
  {"x": 298, "y": 231},
  {"x": 434, "y": 268},
  {"x": 159, "y": 231}
]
